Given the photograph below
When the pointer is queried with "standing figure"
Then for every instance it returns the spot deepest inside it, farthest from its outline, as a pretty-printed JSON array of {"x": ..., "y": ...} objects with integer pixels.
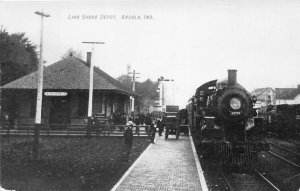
[
  {"x": 128, "y": 138},
  {"x": 160, "y": 126},
  {"x": 152, "y": 132},
  {"x": 148, "y": 121},
  {"x": 137, "y": 122}
]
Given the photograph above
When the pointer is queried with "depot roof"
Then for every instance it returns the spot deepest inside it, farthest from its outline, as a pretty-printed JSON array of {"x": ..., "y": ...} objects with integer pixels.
[{"x": 69, "y": 74}]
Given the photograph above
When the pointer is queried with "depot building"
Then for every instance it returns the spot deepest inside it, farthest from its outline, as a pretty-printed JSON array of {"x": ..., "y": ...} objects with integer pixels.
[{"x": 65, "y": 93}]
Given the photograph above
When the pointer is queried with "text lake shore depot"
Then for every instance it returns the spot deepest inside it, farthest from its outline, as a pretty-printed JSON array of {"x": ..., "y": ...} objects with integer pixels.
[{"x": 110, "y": 17}]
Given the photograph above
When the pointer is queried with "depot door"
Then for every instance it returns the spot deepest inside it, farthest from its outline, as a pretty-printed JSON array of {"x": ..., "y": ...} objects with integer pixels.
[{"x": 60, "y": 111}]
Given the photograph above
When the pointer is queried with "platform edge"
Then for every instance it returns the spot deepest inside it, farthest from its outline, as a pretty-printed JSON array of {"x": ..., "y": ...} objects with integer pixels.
[{"x": 199, "y": 169}]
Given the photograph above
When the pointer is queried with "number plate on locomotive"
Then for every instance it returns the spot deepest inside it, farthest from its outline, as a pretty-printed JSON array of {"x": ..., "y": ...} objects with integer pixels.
[{"x": 235, "y": 113}]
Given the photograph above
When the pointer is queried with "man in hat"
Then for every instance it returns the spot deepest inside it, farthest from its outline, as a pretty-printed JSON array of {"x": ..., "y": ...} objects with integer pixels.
[{"x": 128, "y": 137}]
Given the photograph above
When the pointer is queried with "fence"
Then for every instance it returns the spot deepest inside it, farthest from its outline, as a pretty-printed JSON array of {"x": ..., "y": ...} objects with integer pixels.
[{"x": 72, "y": 130}]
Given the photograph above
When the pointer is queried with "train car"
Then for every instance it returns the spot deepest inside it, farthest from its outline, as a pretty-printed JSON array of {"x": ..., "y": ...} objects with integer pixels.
[
  {"x": 283, "y": 121},
  {"x": 224, "y": 124}
]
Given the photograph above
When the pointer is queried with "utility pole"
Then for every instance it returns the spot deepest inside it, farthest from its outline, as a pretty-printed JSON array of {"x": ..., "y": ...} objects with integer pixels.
[
  {"x": 91, "y": 86},
  {"x": 38, "y": 114},
  {"x": 133, "y": 88}
]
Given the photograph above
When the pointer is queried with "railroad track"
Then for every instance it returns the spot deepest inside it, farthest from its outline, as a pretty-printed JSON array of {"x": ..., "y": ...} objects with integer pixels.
[
  {"x": 281, "y": 165},
  {"x": 230, "y": 181},
  {"x": 284, "y": 159},
  {"x": 229, "y": 186},
  {"x": 211, "y": 171},
  {"x": 264, "y": 178},
  {"x": 247, "y": 182},
  {"x": 221, "y": 180},
  {"x": 284, "y": 154},
  {"x": 283, "y": 148},
  {"x": 216, "y": 181}
]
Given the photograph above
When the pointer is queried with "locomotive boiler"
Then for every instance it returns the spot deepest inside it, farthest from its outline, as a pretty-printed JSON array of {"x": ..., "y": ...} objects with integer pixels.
[{"x": 224, "y": 123}]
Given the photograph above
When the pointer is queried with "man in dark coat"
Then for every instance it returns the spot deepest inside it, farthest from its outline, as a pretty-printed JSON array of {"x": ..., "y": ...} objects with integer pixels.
[{"x": 128, "y": 138}]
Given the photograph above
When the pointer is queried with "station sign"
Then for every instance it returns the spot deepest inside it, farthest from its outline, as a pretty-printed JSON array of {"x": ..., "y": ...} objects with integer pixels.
[{"x": 55, "y": 93}]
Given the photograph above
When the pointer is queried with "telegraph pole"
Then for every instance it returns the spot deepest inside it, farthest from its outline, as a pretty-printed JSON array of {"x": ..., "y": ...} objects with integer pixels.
[
  {"x": 91, "y": 86},
  {"x": 133, "y": 88},
  {"x": 38, "y": 114}
]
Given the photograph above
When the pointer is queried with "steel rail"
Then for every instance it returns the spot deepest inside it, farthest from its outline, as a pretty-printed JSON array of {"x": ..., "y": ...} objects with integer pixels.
[
  {"x": 293, "y": 152},
  {"x": 266, "y": 180},
  {"x": 284, "y": 159}
]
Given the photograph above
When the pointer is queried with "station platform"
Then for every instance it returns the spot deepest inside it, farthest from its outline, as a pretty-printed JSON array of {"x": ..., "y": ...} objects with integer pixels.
[{"x": 167, "y": 165}]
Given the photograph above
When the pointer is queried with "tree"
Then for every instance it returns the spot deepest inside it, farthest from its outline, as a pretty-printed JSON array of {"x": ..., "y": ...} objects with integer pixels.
[
  {"x": 72, "y": 52},
  {"x": 147, "y": 90},
  {"x": 18, "y": 57},
  {"x": 126, "y": 80}
]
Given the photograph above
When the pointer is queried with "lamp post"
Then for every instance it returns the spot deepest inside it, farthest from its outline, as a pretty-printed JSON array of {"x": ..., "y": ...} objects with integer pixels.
[
  {"x": 91, "y": 87},
  {"x": 133, "y": 88},
  {"x": 38, "y": 114}
]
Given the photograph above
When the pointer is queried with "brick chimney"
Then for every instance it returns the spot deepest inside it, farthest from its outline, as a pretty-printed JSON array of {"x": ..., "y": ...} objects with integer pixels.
[
  {"x": 231, "y": 77},
  {"x": 88, "y": 58}
]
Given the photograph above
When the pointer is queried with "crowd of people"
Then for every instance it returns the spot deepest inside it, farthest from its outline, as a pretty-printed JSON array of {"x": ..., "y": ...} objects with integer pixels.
[{"x": 118, "y": 118}]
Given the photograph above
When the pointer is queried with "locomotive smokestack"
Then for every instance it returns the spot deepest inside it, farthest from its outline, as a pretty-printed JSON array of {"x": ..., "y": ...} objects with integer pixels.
[{"x": 232, "y": 76}]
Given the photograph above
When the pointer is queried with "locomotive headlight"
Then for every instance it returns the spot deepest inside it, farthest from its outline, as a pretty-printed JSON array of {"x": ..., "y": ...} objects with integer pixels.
[{"x": 235, "y": 103}]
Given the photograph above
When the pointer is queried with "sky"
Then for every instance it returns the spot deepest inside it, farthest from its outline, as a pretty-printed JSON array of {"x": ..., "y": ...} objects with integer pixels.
[{"x": 189, "y": 41}]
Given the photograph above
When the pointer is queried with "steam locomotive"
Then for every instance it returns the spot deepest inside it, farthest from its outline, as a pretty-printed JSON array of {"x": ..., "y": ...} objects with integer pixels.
[{"x": 224, "y": 123}]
